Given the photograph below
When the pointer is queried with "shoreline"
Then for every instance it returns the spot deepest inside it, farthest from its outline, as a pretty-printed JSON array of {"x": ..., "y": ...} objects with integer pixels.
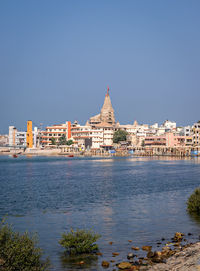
[
  {"x": 58, "y": 153},
  {"x": 178, "y": 254},
  {"x": 187, "y": 259}
]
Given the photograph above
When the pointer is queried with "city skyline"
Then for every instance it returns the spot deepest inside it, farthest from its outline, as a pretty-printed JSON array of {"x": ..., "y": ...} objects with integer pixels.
[{"x": 57, "y": 61}]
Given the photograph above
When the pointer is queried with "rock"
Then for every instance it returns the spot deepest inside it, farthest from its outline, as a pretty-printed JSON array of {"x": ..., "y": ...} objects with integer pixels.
[
  {"x": 2, "y": 262},
  {"x": 105, "y": 264},
  {"x": 110, "y": 243},
  {"x": 136, "y": 263},
  {"x": 178, "y": 237},
  {"x": 124, "y": 265},
  {"x": 135, "y": 248},
  {"x": 177, "y": 244},
  {"x": 147, "y": 248},
  {"x": 133, "y": 267},
  {"x": 150, "y": 254},
  {"x": 115, "y": 254},
  {"x": 157, "y": 254},
  {"x": 163, "y": 239},
  {"x": 112, "y": 261},
  {"x": 159, "y": 243},
  {"x": 81, "y": 263},
  {"x": 189, "y": 233},
  {"x": 99, "y": 254},
  {"x": 130, "y": 256}
]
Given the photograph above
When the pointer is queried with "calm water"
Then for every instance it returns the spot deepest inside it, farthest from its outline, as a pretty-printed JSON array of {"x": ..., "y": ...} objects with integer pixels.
[{"x": 125, "y": 198}]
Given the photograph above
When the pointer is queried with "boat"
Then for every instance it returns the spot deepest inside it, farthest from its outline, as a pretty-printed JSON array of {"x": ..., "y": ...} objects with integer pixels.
[
  {"x": 14, "y": 155},
  {"x": 70, "y": 155}
]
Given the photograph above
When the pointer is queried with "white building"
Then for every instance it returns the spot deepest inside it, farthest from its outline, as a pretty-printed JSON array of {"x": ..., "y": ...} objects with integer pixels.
[
  {"x": 169, "y": 124},
  {"x": 18, "y": 138}
]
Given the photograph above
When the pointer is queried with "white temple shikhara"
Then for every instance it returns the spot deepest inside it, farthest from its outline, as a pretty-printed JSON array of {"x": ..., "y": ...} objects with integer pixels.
[{"x": 106, "y": 115}]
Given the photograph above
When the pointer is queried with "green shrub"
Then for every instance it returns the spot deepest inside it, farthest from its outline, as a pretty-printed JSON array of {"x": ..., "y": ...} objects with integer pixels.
[
  {"x": 80, "y": 241},
  {"x": 193, "y": 203},
  {"x": 19, "y": 251}
]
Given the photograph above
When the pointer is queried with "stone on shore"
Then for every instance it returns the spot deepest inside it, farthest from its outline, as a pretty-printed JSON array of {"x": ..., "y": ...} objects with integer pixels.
[
  {"x": 135, "y": 248},
  {"x": 115, "y": 254},
  {"x": 105, "y": 264},
  {"x": 124, "y": 265},
  {"x": 147, "y": 248}
]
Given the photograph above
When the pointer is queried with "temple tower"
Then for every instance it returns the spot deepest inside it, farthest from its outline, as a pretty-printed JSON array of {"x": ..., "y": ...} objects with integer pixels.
[{"x": 107, "y": 111}]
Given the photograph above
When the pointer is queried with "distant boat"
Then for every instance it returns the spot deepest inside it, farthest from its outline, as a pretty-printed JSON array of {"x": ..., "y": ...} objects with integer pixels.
[
  {"x": 70, "y": 155},
  {"x": 15, "y": 156}
]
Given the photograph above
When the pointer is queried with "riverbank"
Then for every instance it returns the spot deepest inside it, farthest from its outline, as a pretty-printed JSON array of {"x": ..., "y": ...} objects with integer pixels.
[
  {"x": 186, "y": 260},
  {"x": 178, "y": 254},
  {"x": 60, "y": 152}
]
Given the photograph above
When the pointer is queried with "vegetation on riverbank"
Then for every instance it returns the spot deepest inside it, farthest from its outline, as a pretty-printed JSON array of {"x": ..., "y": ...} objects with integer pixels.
[
  {"x": 193, "y": 203},
  {"x": 80, "y": 241},
  {"x": 19, "y": 251}
]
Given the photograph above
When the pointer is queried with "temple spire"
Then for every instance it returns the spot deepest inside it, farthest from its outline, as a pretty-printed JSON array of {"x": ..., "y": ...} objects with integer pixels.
[{"x": 108, "y": 91}]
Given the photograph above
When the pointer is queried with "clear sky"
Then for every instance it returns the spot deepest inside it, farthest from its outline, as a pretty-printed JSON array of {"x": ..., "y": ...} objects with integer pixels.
[{"x": 57, "y": 58}]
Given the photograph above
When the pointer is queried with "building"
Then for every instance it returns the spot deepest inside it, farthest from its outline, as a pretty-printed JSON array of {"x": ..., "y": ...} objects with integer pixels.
[
  {"x": 20, "y": 138},
  {"x": 55, "y": 132},
  {"x": 4, "y": 140},
  {"x": 168, "y": 140},
  {"x": 98, "y": 131},
  {"x": 107, "y": 113},
  {"x": 169, "y": 124},
  {"x": 29, "y": 134},
  {"x": 196, "y": 134},
  {"x": 12, "y": 135},
  {"x": 16, "y": 138}
]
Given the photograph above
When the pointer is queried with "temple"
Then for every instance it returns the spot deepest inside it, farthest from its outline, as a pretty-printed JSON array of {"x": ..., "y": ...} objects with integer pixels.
[{"x": 107, "y": 113}]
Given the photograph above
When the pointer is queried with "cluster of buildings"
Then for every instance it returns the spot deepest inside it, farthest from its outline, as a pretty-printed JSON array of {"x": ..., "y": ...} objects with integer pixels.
[{"x": 97, "y": 133}]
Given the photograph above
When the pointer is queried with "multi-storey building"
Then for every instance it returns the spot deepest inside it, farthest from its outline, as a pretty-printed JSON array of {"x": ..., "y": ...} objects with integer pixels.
[
  {"x": 19, "y": 138},
  {"x": 196, "y": 134},
  {"x": 55, "y": 132},
  {"x": 12, "y": 135},
  {"x": 4, "y": 140},
  {"x": 168, "y": 140}
]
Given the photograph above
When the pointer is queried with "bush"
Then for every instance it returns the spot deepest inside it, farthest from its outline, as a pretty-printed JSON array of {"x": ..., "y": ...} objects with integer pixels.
[
  {"x": 80, "y": 241},
  {"x": 193, "y": 203},
  {"x": 18, "y": 251}
]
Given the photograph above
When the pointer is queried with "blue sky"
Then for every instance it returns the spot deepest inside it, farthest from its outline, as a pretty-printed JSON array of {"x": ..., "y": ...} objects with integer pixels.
[{"x": 57, "y": 58}]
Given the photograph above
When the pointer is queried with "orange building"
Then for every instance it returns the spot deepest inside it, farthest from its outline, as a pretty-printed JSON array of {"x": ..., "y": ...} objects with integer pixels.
[{"x": 29, "y": 134}]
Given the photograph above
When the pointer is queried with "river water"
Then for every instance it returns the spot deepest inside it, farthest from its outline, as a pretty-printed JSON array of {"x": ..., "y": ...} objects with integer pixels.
[{"x": 138, "y": 199}]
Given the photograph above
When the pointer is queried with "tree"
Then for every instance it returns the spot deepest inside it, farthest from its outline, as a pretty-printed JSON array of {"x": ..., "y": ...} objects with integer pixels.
[
  {"x": 53, "y": 141},
  {"x": 62, "y": 140},
  {"x": 70, "y": 142},
  {"x": 119, "y": 135},
  {"x": 143, "y": 143},
  {"x": 19, "y": 251}
]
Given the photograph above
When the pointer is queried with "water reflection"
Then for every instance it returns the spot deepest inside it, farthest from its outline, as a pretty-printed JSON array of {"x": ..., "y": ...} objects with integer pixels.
[
  {"x": 85, "y": 261},
  {"x": 195, "y": 218}
]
